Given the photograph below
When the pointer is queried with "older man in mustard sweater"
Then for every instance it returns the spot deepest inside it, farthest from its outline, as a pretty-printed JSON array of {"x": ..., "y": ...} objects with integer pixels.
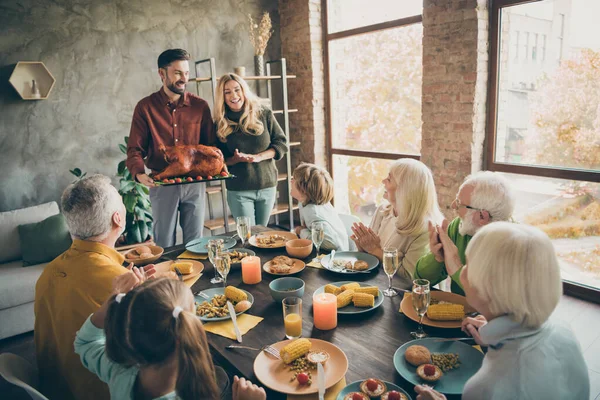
[{"x": 75, "y": 284}]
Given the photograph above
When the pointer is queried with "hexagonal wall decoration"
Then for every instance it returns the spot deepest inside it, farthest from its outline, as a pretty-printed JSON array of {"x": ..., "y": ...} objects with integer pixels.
[{"x": 25, "y": 73}]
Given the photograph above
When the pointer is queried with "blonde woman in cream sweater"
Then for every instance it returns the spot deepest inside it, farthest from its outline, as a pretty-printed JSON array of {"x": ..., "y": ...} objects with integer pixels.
[{"x": 402, "y": 222}]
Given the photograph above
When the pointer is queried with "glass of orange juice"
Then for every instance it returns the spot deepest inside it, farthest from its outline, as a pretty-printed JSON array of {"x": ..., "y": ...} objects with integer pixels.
[{"x": 292, "y": 317}]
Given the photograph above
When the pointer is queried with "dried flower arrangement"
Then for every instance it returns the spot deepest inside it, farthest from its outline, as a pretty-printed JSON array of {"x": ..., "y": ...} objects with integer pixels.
[{"x": 260, "y": 33}]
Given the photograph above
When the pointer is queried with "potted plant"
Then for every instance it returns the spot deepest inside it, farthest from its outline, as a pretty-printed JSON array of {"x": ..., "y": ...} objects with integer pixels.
[{"x": 137, "y": 202}]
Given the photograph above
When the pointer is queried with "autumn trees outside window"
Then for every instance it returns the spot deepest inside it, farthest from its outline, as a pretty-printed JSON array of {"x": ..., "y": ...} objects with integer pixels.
[
  {"x": 374, "y": 71},
  {"x": 544, "y": 124}
]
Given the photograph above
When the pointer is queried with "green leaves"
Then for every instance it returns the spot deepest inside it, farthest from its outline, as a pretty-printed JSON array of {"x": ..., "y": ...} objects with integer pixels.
[
  {"x": 137, "y": 203},
  {"x": 121, "y": 168}
]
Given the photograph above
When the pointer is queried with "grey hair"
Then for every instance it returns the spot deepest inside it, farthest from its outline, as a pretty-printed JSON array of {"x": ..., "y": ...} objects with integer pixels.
[
  {"x": 88, "y": 206},
  {"x": 491, "y": 192}
]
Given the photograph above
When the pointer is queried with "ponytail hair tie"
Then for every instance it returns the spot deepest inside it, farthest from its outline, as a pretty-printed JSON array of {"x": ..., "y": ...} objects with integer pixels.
[
  {"x": 120, "y": 297},
  {"x": 176, "y": 311}
]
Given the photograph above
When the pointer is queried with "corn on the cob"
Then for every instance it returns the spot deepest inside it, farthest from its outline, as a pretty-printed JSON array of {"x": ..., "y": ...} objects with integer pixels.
[
  {"x": 363, "y": 300},
  {"x": 295, "y": 349},
  {"x": 446, "y": 312},
  {"x": 329, "y": 288},
  {"x": 344, "y": 298},
  {"x": 352, "y": 285},
  {"x": 234, "y": 294},
  {"x": 372, "y": 290},
  {"x": 184, "y": 267}
]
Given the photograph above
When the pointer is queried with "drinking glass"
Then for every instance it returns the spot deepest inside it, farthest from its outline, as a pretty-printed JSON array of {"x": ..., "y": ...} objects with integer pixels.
[
  {"x": 420, "y": 299},
  {"x": 243, "y": 228},
  {"x": 292, "y": 317},
  {"x": 214, "y": 246},
  {"x": 318, "y": 234},
  {"x": 390, "y": 266},
  {"x": 223, "y": 265}
]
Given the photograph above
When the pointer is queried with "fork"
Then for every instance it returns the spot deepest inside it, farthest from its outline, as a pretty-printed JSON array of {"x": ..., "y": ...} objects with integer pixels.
[
  {"x": 266, "y": 348},
  {"x": 203, "y": 295}
]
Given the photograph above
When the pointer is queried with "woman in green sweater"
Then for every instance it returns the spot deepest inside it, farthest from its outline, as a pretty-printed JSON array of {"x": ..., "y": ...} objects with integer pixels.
[{"x": 251, "y": 141}]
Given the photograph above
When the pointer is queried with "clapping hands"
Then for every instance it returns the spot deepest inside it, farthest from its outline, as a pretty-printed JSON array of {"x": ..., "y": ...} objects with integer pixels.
[{"x": 365, "y": 238}]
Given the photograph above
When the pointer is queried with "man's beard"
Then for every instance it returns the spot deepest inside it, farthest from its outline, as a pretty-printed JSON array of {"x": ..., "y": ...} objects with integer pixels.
[
  {"x": 175, "y": 89},
  {"x": 467, "y": 227}
]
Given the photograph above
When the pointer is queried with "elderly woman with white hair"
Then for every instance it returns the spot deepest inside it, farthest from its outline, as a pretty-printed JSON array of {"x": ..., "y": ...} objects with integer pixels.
[
  {"x": 402, "y": 222},
  {"x": 513, "y": 280}
]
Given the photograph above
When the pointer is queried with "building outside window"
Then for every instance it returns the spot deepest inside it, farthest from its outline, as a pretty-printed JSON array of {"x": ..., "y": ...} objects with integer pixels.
[{"x": 544, "y": 127}]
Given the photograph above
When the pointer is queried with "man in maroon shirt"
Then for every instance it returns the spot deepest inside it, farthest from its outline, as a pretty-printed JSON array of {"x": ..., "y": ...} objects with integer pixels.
[{"x": 170, "y": 117}]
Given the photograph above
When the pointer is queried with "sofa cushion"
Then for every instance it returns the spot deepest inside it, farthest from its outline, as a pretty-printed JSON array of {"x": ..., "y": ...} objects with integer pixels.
[
  {"x": 17, "y": 284},
  {"x": 10, "y": 247},
  {"x": 43, "y": 241}
]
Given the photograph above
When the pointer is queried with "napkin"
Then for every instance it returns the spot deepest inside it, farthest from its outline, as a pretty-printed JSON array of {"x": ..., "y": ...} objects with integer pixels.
[
  {"x": 225, "y": 328},
  {"x": 193, "y": 256},
  {"x": 190, "y": 282},
  {"x": 316, "y": 262},
  {"x": 330, "y": 394},
  {"x": 406, "y": 294}
]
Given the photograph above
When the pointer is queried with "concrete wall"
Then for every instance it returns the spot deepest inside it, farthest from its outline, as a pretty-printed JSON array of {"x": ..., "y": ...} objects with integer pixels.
[{"x": 103, "y": 56}]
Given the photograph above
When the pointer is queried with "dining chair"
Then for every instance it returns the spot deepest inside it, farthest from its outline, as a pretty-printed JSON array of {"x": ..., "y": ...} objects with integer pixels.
[
  {"x": 348, "y": 220},
  {"x": 20, "y": 372}
]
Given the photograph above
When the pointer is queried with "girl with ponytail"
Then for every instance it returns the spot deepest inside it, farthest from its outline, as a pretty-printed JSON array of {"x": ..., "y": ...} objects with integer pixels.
[{"x": 146, "y": 342}]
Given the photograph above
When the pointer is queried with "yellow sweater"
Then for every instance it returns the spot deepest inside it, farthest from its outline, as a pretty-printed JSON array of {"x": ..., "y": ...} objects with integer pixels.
[{"x": 72, "y": 286}]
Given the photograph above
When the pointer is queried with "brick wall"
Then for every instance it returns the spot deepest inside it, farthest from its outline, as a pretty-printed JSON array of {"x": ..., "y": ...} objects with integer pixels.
[
  {"x": 455, "y": 71},
  {"x": 302, "y": 47}
]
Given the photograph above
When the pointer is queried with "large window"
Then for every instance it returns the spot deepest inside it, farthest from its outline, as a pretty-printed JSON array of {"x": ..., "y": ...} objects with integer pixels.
[
  {"x": 544, "y": 121},
  {"x": 374, "y": 71}
]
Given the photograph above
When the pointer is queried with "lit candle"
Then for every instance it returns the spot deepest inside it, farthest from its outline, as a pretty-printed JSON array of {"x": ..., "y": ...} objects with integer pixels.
[
  {"x": 325, "y": 311},
  {"x": 251, "y": 271}
]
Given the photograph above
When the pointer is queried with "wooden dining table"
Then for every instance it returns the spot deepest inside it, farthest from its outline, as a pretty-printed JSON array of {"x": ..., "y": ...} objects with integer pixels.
[{"x": 369, "y": 339}]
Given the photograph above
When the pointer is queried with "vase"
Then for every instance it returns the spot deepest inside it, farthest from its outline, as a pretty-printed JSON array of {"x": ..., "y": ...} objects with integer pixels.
[{"x": 259, "y": 65}]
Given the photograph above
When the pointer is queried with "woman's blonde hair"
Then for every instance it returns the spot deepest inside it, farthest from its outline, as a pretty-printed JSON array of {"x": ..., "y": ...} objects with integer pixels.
[
  {"x": 314, "y": 182},
  {"x": 141, "y": 330},
  {"x": 249, "y": 120},
  {"x": 514, "y": 269},
  {"x": 416, "y": 198}
]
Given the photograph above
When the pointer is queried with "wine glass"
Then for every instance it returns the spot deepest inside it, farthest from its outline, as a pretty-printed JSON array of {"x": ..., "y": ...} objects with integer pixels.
[
  {"x": 243, "y": 228},
  {"x": 214, "y": 246},
  {"x": 390, "y": 266},
  {"x": 223, "y": 264},
  {"x": 318, "y": 234},
  {"x": 420, "y": 299}
]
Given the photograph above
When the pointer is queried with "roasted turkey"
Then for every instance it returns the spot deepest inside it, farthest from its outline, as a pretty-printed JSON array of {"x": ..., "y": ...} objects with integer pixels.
[{"x": 192, "y": 160}]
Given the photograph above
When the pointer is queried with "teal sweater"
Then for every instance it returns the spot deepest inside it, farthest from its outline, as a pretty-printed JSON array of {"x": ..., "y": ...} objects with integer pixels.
[
  {"x": 435, "y": 272},
  {"x": 254, "y": 176}
]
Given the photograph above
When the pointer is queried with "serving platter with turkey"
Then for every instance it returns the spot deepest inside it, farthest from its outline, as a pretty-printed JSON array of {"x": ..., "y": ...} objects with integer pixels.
[{"x": 192, "y": 164}]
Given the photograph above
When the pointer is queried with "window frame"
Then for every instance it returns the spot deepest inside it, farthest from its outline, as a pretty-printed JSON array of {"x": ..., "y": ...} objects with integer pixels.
[
  {"x": 329, "y": 37},
  {"x": 569, "y": 288}
]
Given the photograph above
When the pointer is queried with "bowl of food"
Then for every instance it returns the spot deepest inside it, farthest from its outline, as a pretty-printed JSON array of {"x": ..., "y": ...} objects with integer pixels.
[
  {"x": 142, "y": 255},
  {"x": 299, "y": 248},
  {"x": 286, "y": 287},
  {"x": 237, "y": 255}
]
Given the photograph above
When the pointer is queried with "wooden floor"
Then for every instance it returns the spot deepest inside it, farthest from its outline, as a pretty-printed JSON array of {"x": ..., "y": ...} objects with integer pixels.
[{"x": 583, "y": 318}]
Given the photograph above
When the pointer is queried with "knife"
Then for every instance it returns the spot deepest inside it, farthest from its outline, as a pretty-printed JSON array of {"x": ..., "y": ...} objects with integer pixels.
[
  {"x": 238, "y": 334},
  {"x": 330, "y": 264},
  {"x": 321, "y": 381}
]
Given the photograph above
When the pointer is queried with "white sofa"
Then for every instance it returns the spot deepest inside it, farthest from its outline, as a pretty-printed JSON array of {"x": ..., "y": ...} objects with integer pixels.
[{"x": 17, "y": 283}]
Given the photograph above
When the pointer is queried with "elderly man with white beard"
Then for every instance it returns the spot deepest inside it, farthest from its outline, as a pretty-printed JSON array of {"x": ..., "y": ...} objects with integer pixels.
[{"x": 483, "y": 198}]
